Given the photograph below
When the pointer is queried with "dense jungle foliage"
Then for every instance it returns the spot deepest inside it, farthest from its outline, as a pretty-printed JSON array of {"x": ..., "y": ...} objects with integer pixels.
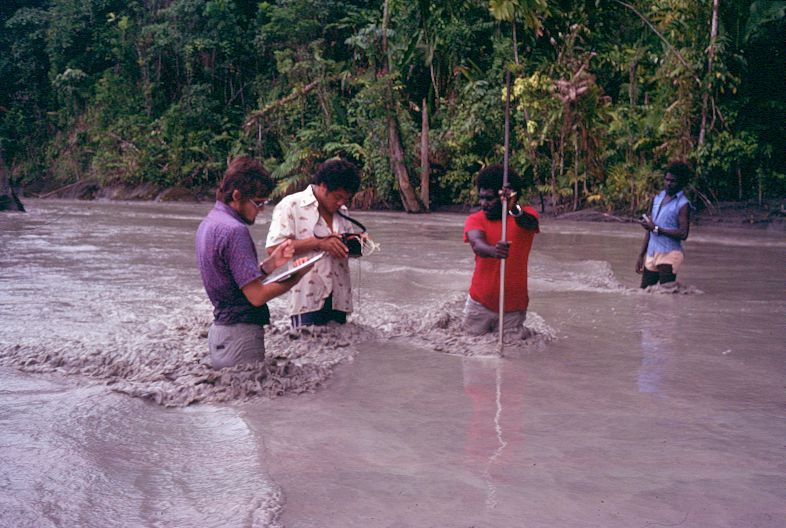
[{"x": 603, "y": 94}]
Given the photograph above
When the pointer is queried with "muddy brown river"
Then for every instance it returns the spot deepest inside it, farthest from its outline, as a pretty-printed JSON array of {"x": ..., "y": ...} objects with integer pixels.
[{"x": 624, "y": 409}]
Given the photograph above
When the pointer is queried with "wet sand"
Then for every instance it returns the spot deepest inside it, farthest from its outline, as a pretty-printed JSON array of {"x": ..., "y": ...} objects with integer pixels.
[{"x": 624, "y": 408}]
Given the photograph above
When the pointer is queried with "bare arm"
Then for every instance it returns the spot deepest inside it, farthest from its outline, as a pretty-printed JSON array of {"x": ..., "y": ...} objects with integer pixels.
[
  {"x": 259, "y": 294},
  {"x": 646, "y": 223},
  {"x": 279, "y": 255},
  {"x": 642, "y": 252},
  {"x": 481, "y": 247}
]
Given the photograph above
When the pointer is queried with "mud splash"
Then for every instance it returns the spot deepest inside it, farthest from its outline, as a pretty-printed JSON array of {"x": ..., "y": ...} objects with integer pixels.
[
  {"x": 173, "y": 368},
  {"x": 439, "y": 328},
  {"x": 170, "y": 366},
  {"x": 672, "y": 288},
  {"x": 548, "y": 274}
]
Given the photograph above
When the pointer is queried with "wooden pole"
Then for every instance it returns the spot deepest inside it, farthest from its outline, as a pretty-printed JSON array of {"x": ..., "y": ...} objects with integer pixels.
[
  {"x": 504, "y": 204},
  {"x": 424, "y": 161}
]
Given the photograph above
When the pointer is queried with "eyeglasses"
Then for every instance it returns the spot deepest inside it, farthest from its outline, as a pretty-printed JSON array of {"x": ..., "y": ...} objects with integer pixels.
[{"x": 260, "y": 204}]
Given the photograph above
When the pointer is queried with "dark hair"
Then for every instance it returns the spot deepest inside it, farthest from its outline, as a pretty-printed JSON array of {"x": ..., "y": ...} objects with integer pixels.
[
  {"x": 246, "y": 175},
  {"x": 490, "y": 177},
  {"x": 338, "y": 174},
  {"x": 681, "y": 170}
]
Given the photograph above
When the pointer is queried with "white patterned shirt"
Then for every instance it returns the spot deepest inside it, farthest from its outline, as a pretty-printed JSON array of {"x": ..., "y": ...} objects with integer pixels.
[{"x": 295, "y": 217}]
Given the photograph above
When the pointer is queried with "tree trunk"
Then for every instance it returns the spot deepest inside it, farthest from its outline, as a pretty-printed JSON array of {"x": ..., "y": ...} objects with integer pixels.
[
  {"x": 561, "y": 156},
  {"x": 396, "y": 151},
  {"x": 408, "y": 197},
  {"x": 575, "y": 169},
  {"x": 633, "y": 100},
  {"x": 145, "y": 73},
  {"x": 257, "y": 115},
  {"x": 259, "y": 138},
  {"x": 385, "y": 20},
  {"x": 761, "y": 191},
  {"x": 553, "y": 178},
  {"x": 8, "y": 199},
  {"x": 425, "y": 169},
  {"x": 710, "y": 60}
]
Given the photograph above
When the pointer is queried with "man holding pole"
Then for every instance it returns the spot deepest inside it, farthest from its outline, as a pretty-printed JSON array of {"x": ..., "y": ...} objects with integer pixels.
[{"x": 483, "y": 231}]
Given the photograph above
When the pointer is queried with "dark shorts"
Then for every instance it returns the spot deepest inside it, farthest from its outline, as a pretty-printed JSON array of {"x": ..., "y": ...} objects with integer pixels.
[
  {"x": 663, "y": 275},
  {"x": 321, "y": 317}
]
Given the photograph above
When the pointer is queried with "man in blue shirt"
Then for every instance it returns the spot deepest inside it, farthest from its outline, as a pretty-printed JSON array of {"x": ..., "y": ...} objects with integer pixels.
[
  {"x": 666, "y": 227},
  {"x": 231, "y": 271}
]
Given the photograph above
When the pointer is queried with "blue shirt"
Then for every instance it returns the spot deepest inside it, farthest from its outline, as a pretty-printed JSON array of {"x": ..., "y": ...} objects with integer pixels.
[
  {"x": 665, "y": 216},
  {"x": 228, "y": 261}
]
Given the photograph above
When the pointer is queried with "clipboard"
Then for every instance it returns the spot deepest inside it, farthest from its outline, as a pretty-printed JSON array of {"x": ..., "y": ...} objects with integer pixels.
[{"x": 284, "y": 275}]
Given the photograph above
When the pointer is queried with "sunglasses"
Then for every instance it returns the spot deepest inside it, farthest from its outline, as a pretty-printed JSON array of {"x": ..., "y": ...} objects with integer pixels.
[{"x": 260, "y": 204}]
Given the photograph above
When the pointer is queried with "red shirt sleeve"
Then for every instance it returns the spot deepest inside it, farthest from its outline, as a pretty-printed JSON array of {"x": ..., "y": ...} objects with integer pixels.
[{"x": 474, "y": 222}]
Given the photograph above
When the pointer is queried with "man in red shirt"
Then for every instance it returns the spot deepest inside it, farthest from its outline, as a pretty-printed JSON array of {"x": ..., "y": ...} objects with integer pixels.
[{"x": 483, "y": 232}]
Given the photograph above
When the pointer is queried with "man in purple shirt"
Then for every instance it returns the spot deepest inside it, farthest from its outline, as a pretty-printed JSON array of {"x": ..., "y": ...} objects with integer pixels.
[{"x": 230, "y": 268}]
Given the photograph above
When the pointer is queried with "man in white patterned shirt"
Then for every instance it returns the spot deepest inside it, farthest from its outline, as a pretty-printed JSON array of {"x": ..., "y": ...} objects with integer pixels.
[{"x": 312, "y": 220}]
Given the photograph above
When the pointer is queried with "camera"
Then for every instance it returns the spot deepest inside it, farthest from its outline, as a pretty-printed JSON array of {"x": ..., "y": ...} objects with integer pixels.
[{"x": 352, "y": 241}]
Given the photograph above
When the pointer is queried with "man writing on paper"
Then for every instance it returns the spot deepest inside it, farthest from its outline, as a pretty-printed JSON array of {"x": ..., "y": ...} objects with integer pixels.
[
  {"x": 230, "y": 269},
  {"x": 483, "y": 232}
]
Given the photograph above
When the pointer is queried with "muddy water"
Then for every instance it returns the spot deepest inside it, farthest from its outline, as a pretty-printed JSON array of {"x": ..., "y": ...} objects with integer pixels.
[{"x": 624, "y": 408}]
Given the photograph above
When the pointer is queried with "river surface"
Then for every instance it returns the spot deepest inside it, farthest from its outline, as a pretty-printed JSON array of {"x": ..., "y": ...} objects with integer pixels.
[{"x": 624, "y": 408}]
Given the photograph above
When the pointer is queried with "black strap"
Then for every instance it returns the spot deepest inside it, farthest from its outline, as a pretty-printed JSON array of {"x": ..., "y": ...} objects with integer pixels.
[{"x": 361, "y": 226}]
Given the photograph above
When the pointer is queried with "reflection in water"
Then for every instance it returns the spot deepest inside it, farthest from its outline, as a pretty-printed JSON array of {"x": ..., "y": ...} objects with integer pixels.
[
  {"x": 491, "y": 500},
  {"x": 653, "y": 362},
  {"x": 657, "y": 349},
  {"x": 486, "y": 440}
]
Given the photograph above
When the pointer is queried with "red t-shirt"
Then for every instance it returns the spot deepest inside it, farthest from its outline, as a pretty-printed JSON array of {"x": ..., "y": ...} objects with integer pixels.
[{"x": 485, "y": 279}]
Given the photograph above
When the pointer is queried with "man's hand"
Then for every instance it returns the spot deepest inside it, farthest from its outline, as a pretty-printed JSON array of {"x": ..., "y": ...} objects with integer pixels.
[
  {"x": 647, "y": 223},
  {"x": 333, "y": 246},
  {"x": 501, "y": 249},
  {"x": 508, "y": 194},
  {"x": 640, "y": 264},
  {"x": 280, "y": 256},
  {"x": 477, "y": 240}
]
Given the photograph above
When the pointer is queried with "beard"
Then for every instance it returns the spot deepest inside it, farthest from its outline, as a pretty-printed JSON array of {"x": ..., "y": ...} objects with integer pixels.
[
  {"x": 494, "y": 214},
  {"x": 247, "y": 221}
]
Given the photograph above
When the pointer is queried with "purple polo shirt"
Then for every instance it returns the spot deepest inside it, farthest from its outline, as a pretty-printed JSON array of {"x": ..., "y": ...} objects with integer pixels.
[{"x": 228, "y": 261}]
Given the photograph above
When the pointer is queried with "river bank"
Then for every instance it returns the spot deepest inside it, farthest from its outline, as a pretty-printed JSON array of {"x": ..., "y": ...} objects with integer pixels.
[{"x": 770, "y": 215}]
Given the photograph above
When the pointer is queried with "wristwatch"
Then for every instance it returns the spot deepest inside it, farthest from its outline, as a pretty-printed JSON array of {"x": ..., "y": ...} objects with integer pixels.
[{"x": 657, "y": 230}]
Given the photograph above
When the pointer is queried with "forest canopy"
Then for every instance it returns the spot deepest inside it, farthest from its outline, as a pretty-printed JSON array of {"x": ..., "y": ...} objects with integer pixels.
[{"x": 603, "y": 94}]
